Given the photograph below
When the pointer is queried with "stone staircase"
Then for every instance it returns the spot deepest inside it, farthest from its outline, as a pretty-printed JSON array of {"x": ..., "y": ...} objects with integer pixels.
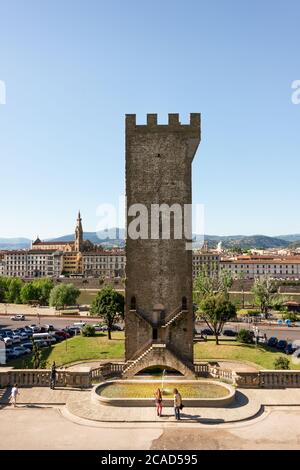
[
  {"x": 172, "y": 317},
  {"x": 146, "y": 350}
]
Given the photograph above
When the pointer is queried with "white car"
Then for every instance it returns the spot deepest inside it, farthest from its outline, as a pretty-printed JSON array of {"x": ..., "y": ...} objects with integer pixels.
[
  {"x": 18, "y": 317},
  {"x": 7, "y": 341}
]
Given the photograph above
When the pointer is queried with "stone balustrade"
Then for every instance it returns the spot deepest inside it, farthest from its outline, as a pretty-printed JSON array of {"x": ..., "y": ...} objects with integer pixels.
[
  {"x": 201, "y": 369},
  {"x": 268, "y": 379},
  {"x": 79, "y": 377},
  {"x": 82, "y": 377},
  {"x": 107, "y": 370}
]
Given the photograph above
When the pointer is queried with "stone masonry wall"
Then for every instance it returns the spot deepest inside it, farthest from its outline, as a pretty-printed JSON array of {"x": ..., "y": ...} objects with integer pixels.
[{"x": 159, "y": 272}]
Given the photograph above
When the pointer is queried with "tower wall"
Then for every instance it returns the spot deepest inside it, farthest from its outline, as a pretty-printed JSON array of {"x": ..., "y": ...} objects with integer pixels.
[{"x": 159, "y": 271}]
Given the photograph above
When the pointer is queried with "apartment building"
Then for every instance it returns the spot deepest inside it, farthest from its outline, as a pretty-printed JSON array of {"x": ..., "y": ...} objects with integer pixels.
[
  {"x": 206, "y": 261},
  {"x": 32, "y": 263},
  {"x": 110, "y": 263},
  {"x": 251, "y": 267}
]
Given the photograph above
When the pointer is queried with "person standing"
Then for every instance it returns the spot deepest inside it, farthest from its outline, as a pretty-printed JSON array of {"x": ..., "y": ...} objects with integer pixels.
[
  {"x": 14, "y": 394},
  {"x": 53, "y": 376},
  {"x": 177, "y": 403},
  {"x": 158, "y": 402}
]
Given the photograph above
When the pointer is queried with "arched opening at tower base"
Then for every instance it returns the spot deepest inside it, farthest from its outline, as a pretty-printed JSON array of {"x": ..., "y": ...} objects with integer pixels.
[{"x": 158, "y": 372}]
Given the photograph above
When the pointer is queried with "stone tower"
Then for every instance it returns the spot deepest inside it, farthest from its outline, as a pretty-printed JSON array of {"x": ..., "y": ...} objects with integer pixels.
[
  {"x": 159, "y": 310},
  {"x": 78, "y": 234}
]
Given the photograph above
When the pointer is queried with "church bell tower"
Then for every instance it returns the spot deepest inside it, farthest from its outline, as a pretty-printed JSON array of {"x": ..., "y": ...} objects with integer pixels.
[{"x": 78, "y": 234}]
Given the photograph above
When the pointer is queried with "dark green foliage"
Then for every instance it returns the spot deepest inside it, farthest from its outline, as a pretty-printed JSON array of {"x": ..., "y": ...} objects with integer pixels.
[
  {"x": 281, "y": 363},
  {"x": 108, "y": 304},
  {"x": 244, "y": 336},
  {"x": 88, "y": 330}
]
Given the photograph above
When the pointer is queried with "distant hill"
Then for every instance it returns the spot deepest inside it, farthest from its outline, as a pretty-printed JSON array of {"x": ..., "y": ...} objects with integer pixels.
[
  {"x": 14, "y": 243},
  {"x": 116, "y": 237},
  {"x": 231, "y": 241},
  {"x": 113, "y": 236},
  {"x": 246, "y": 242},
  {"x": 290, "y": 238}
]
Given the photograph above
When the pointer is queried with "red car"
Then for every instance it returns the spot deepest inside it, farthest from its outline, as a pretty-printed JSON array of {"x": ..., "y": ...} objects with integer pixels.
[{"x": 63, "y": 334}]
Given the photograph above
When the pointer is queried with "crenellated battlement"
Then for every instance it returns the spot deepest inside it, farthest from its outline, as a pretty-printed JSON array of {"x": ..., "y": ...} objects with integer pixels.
[{"x": 174, "y": 124}]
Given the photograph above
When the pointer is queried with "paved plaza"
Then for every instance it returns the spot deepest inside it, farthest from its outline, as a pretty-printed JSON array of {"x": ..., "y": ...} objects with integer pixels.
[{"x": 45, "y": 419}]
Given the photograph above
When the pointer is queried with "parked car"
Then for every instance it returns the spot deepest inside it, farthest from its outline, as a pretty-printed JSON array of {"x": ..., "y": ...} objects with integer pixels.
[
  {"x": 289, "y": 349},
  {"x": 35, "y": 328},
  {"x": 8, "y": 341},
  {"x": 97, "y": 326},
  {"x": 262, "y": 340},
  {"x": 10, "y": 354},
  {"x": 16, "y": 339},
  {"x": 79, "y": 324},
  {"x": 272, "y": 342},
  {"x": 117, "y": 328},
  {"x": 229, "y": 333},
  {"x": 63, "y": 334},
  {"x": 18, "y": 317},
  {"x": 41, "y": 343},
  {"x": 74, "y": 330},
  {"x": 49, "y": 328},
  {"x": 28, "y": 345},
  {"x": 23, "y": 335},
  {"x": 281, "y": 345},
  {"x": 8, "y": 333},
  {"x": 58, "y": 338},
  {"x": 207, "y": 332},
  {"x": 21, "y": 350}
]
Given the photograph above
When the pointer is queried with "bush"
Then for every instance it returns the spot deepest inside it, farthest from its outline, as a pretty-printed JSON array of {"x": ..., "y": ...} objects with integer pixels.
[
  {"x": 88, "y": 330},
  {"x": 281, "y": 363},
  {"x": 244, "y": 336},
  {"x": 253, "y": 313},
  {"x": 290, "y": 316}
]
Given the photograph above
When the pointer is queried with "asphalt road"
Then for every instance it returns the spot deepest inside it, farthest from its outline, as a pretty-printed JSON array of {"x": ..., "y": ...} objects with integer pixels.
[
  {"x": 281, "y": 332},
  {"x": 6, "y": 322}
]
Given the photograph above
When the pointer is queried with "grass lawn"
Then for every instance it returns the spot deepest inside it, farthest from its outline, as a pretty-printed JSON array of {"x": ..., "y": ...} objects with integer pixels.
[
  {"x": 87, "y": 296},
  {"x": 79, "y": 348},
  {"x": 263, "y": 356}
]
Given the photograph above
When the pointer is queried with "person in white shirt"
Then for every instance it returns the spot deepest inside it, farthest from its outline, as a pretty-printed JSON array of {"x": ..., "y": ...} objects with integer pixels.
[
  {"x": 14, "y": 394},
  {"x": 177, "y": 403}
]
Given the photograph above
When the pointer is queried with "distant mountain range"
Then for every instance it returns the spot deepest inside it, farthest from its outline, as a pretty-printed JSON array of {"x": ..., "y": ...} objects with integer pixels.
[{"x": 116, "y": 237}]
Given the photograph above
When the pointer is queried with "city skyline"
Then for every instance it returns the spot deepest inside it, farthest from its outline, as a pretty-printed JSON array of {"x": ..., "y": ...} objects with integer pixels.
[{"x": 71, "y": 79}]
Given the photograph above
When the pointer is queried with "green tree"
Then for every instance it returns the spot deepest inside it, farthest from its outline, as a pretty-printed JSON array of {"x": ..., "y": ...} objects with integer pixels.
[
  {"x": 206, "y": 285},
  {"x": 88, "y": 330},
  {"x": 216, "y": 310},
  {"x": 28, "y": 293},
  {"x": 44, "y": 288},
  {"x": 3, "y": 288},
  {"x": 13, "y": 292},
  {"x": 264, "y": 292},
  {"x": 108, "y": 304},
  {"x": 36, "y": 358},
  {"x": 64, "y": 295}
]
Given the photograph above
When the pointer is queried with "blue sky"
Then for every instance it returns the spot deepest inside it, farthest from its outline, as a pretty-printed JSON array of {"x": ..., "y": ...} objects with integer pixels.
[{"x": 73, "y": 68}]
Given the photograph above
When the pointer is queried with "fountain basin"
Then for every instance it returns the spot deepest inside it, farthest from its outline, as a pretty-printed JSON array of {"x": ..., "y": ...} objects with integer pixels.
[{"x": 195, "y": 393}]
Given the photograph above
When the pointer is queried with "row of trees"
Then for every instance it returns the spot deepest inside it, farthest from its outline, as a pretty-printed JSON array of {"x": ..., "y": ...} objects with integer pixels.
[
  {"x": 14, "y": 290},
  {"x": 40, "y": 291}
]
